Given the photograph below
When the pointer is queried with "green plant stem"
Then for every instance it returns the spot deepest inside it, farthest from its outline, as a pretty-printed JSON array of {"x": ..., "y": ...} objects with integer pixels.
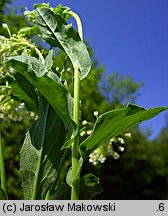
[
  {"x": 75, "y": 145},
  {"x": 76, "y": 111},
  {"x": 9, "y": 87},
  {"x": 38, "y": 52},
  {"x": 79, "y": 23},
  {"x": 2, "y": 167},
  {"x": 7, "y": 28}
]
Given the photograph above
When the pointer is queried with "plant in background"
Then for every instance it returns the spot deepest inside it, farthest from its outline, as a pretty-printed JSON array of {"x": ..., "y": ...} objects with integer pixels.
[{"x": 56, "y": 132}]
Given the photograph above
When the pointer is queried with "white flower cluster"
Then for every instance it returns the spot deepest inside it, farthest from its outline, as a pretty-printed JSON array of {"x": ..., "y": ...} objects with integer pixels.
[
  {"x": 12, "y": 110},
  {"x": 86, "y": 130},
  {"x": 107, "y": 150},
  {"x": 96, "y": 157}
]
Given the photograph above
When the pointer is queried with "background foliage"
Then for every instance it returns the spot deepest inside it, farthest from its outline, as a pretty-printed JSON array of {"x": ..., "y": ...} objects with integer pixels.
[{"x": 140, "y": 172}]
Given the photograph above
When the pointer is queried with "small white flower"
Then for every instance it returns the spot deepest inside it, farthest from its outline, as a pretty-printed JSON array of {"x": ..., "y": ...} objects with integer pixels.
[
  {"x": 128, "y": 135},
  {"x": 96, "y": 113},
  {"x": 57, "y": 68},
  {"x": 102, "y": 160},
  {"x": 32, "y": 114},
  {"x": 121, "y": 148},
  {"x": 4, "y": 25},
  {"x": 21, "y": 105},
  {"x": 83, "y": 133},
  {"x": 120, "y": 139},
  {"x": 111, "y": 141},
  {"x": 88, "y": 132},
  {"x": 90, "y": 160},
  {"x": 115, "y": 155},
  {"x": 84, "y": 122},
  {"x": 95, "y": 163}
]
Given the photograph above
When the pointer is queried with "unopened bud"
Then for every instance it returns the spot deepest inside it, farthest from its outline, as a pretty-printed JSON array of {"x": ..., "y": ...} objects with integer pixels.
[
  {"x": 4, "y": 25},
  {"x": 128, "y": 135},
  {"x": 83, "y": 133},
  {"x": 84, "y": 122},
  {"x": 96, "y": 113},
  {"x": 121, "y": 140}
]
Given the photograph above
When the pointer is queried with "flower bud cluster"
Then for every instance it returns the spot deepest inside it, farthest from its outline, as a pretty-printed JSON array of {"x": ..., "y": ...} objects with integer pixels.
[
  {"x": 30, "y": 15},
  {"x": 86, "y": 129},
  {"x": 97, "y": 157},
  {"x": 11, "y": 110},
  {"x": 111, "y": 148}
]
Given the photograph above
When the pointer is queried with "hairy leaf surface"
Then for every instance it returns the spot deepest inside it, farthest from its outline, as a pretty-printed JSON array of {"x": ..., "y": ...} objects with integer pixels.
[
  {"x": 41, "y": 154},
  {"x": 115, "y": 122},
  {"x": 55, "y": 31}
]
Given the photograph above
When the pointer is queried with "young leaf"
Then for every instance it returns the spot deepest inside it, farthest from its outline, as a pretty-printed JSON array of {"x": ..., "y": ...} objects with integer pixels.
[
  {"x": 115, "y": 122},
  {"x": 58, "y": 33},
  {"x": 69, "y": 177},
  {"x": 89, "y": 187},
  {"x": 48, "y": 85},
  {"x": 41, "y": 154}
]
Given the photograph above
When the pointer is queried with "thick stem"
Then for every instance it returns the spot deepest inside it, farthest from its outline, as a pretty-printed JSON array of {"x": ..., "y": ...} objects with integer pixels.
[
  {"x": 76, "y": 112},
  {"x": 2, "y": 167},
  {"x": 75, "y": 145}
]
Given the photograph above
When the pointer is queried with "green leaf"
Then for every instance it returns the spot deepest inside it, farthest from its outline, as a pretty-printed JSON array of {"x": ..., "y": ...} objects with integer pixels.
[
  {"x": 62, "y": 10},
  {"x": 23, "y": 90},
  {"x": 58, "y": 192},
  {"x": 115, "y": 122},
  {"x": 62, "y": 193},
  {"x": 89, "y": 187},
  {"x": 55, "y": 31},
  {"x": 41, "y": 154},
  {"x": 49, "y": 60},
  {"x": 27, "y": 63},
  {"x": 48, "y": 85},
  {"x": 3, "y": 195},
  {"x": 69, "y": 177}
]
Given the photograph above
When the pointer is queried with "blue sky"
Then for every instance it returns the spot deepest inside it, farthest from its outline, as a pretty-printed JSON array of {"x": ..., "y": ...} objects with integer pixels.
[{"x": 131, "y": 37}]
